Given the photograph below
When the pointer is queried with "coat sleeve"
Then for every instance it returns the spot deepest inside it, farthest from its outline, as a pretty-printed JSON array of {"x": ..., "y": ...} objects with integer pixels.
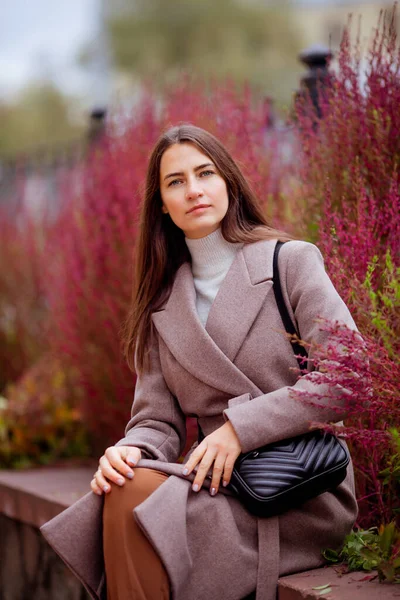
[
  {"x": 309, "y": 294},
  {"x": 157, "y": 425}
]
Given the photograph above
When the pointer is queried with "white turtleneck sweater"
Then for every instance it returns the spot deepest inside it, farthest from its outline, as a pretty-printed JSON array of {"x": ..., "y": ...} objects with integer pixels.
[{"x": 211, "y": 258}]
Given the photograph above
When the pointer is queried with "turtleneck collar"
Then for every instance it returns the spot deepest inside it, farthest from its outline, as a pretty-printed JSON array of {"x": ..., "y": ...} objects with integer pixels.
[{"x": 211, "y": 254}]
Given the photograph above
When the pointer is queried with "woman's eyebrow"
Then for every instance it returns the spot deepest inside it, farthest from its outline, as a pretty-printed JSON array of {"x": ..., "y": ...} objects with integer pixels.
[{"x": 180, "y": 173}]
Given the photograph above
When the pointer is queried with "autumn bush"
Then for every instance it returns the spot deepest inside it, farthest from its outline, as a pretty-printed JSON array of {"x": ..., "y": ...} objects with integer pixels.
[
  {"x": 22, "y": 308},
  {"x": 350, "y": 177},
  {"x": 40, "y": 417},
  {"x": 40, "y": 392}
]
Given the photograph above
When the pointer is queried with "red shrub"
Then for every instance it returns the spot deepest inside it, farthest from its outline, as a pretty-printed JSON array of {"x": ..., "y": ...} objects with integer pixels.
[
  {"x": 22, "y": 307},
  {"x": 369, "y": 377},
  {"x": 40, "y": 422},
  {"x": 350, "y": 173}
]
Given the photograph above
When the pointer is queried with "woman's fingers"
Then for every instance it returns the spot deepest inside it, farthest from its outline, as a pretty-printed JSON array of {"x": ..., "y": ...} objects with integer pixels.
[
  {"x": 108, "y": 472},
  {"x": 117, "y": 457},
  {"x": 228, "y": 469},
  {"x": 203, "y": 469},
  {"x": 222, "y": 447},
  {"x": 130, "y": 454},
  {"x": 219, "y": 462},
  {"x": 218, "y": 470},
  {"x": 195, "y": 458},
  {"x": 113, "y": 466},
  {"x": 100, "y": 482},
  {"x": 223, "y": 467},
  {"x": 95, "y": 487}
]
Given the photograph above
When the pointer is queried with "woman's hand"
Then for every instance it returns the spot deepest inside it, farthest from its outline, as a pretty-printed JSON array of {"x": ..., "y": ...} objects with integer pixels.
[
  {"x": 220, "y": 448},
  {"x": 112, "y": 465}
]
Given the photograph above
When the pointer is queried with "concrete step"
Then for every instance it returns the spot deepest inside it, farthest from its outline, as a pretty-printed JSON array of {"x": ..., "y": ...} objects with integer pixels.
[{"x": 351, "y": 586}]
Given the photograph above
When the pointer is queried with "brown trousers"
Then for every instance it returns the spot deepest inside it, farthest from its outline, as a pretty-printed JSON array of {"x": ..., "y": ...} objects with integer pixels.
[{"x": 133, "y": 568}]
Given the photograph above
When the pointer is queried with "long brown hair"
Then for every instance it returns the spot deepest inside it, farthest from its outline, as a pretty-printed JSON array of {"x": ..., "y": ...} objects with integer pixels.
[{"x": 161, "y": 247}]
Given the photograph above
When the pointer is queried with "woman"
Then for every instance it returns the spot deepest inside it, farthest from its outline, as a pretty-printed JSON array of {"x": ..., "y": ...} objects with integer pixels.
[{"x": 206, "y": 336}]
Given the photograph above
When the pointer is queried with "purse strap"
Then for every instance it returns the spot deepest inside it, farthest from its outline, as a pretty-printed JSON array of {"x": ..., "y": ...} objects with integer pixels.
[
  {"x": 286, "y": 320},
  {"x": 298, "y": 349}
]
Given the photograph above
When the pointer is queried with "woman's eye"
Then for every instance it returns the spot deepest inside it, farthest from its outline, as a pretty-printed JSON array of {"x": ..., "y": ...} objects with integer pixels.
[
  {"x": 177, "y": 181},
  {"x": 174, "y": 181}
]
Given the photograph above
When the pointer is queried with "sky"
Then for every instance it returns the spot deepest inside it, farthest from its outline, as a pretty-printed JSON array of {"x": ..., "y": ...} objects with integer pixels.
[{"x": 43, "y": 37}]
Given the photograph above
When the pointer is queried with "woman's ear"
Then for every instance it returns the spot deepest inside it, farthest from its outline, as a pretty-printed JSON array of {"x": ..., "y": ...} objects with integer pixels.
[{"x": 164, "y": 209}]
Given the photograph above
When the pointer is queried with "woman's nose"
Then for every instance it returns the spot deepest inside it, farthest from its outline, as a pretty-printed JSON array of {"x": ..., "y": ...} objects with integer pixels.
[{"x": 193, "y": 189}]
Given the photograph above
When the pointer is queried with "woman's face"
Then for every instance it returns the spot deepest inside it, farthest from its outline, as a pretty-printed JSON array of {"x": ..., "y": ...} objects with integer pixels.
[{"x": 192, "y": 190}]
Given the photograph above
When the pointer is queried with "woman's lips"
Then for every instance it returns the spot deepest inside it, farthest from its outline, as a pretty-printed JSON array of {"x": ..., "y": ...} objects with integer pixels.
[{"x": 199, "y": 208}]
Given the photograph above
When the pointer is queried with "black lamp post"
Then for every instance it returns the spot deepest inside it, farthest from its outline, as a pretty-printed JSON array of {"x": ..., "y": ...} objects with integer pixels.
[
  {"x": 101, "y": 73},
  {"x": 318, "y": 79},
  {"x": 96, "y": 125}
]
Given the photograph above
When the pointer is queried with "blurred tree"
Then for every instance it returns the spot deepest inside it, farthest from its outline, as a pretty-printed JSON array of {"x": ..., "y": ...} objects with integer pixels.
[
  {"x": 157, "y": 39},
  {"x": 39, "y": 116}
]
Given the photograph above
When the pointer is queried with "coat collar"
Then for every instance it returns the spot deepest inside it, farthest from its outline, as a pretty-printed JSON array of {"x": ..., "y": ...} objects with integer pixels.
[{"x": 208, "y": 353}]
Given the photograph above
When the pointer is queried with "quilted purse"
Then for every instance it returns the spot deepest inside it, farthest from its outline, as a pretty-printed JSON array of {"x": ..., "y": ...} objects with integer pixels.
[{"x": 284, "y": 474}]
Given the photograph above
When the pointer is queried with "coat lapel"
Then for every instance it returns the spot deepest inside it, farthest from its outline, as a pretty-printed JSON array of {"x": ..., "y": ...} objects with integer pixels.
[
  {"x": 208, "y": 353},
  {"x": 240, "y": 297}
]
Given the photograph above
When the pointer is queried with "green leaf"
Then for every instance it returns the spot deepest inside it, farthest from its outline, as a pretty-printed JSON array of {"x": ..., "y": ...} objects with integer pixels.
[
  {"x": 369, "y": 554},
  {"x": 396, "y": 563},
  {"x": 369, "y": 550},
  {"x": 386, "y": 537},
  {"x": 386, "y": 572},
  {"x": 330, "y": 555},
  {"x": 321, "y": 587}
]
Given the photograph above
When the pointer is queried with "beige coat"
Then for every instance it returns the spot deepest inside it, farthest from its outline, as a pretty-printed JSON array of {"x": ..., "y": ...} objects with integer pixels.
[{"x": 239, "y": 368}]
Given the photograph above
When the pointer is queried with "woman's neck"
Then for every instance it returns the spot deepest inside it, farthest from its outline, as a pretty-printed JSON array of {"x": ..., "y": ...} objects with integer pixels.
[{"x": 211, "y": 254}]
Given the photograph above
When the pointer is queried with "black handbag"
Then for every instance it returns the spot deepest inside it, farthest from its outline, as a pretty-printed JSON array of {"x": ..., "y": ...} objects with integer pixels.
[{"x": 279, "y": 476}]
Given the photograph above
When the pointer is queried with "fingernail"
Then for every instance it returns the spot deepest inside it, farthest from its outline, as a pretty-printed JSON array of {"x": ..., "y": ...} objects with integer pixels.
[
  {"x": 185, "y": 471},
  {"x": 129, "y": 475},
  {"x": 106, "y": 488},
  {"x": 224, "y": 483},
  {"x": 132, "y": 462},
  {"x": 213, "y": 491},
  {"x": 120, "y": 481},
  {"x": 196, "y": 487}
]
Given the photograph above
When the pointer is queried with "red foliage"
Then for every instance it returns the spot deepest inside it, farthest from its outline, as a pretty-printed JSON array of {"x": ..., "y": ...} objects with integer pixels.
[
  {"x": 22, "y": 309},
  {"x": 41, "y": 421},
  {"x": 362, "y": 378},
  {"x": 350, "y": 162},
  {"x": 350, "y": 173}
]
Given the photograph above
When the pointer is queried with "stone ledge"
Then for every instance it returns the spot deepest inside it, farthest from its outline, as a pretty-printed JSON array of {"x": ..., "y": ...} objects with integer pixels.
[
  {"x": 351, "y": 586},
  {"x": 36, "y": 495},
  {"x": 29, "y": 568}
]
